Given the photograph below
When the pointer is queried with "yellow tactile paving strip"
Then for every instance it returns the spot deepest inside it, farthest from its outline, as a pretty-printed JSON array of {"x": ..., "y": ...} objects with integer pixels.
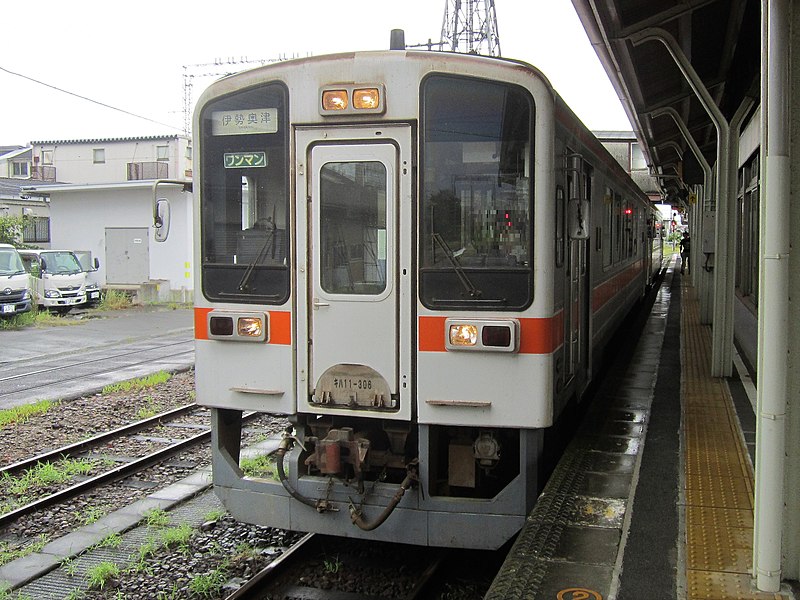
[{"x": 718, "y": 477}]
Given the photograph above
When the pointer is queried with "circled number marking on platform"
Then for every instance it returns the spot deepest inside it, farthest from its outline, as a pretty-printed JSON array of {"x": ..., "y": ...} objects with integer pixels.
[{"x": 578, "y": 594}]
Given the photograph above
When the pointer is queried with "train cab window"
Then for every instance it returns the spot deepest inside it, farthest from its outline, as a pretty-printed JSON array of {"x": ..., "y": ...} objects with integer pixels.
[
  {"x": 476, "y": 203},
  {"x": 244, "y": 197}
]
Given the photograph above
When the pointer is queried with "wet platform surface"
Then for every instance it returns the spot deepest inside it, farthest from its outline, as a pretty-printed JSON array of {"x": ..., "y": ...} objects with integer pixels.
[{"x": 654, "y": 496}]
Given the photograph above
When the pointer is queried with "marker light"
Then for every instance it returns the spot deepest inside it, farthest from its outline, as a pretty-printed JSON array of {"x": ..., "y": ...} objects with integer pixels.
[
  {"x": 497, "y": 336},
  {"x": 463, "y": 334},
  {"x": 220, "y": 326},
  {"x": 366, "y": 98},
  {"x": 250, "y": 327},
  {"x": 334, "y": 100},
  {"x": 352, "y": 99}
]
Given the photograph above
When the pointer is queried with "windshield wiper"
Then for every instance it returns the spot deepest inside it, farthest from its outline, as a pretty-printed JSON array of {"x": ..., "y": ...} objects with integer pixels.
[
  {"x": 245, "y": 281},
  {"x": 460, "y": 273}
]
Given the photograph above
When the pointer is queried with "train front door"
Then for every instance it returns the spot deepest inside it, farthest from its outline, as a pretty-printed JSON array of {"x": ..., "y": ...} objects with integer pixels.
[{"x": 354, "y": 289}]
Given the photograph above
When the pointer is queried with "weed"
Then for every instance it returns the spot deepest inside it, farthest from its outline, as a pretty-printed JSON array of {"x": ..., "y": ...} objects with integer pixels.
[
  {"x": 36, "y": 318},
  {"x": 114, "y": 300},
  {"x": 332, "y": 565},
  {"x": 245, "y": 551},
  {"x": 262, "y": 466},
  {"x": 18, "y": 322},
  {"x": 150, "y": 408},
  {"x": 173, "y": 594},
  {"x": 91, "y": 515},
  {"x": 139, "y": 383},
  {"x": 69, "y": 566},
  {"x": 112, "y": 540},
  {"x": 144, "y": 552},
  {"x": 214, "y": 515},
  {"x": 156, "y": 517},
  {"x": 44, "y": 474},
  {"x": 20, "y": 414},
  {"x": 100, "y": 574},
  {"x": 177, "y": 536},
  {"x": 209, "y": 585}
]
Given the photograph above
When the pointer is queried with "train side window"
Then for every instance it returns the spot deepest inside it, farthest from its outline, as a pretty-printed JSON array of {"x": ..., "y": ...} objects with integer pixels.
[
  {"x": 608, "y": 228},
  {"x": 561, "y": 225},
  {"x": 618, "y": 246}
]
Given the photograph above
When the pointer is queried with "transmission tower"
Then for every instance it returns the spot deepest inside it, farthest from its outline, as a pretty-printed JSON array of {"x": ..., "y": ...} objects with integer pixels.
[{"x": 470, "y": 27}]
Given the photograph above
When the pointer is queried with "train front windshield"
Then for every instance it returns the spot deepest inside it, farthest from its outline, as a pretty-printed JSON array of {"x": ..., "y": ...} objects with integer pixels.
[
  {"x": 245, "y": 216},
  {"x": 475, "y": 205}
]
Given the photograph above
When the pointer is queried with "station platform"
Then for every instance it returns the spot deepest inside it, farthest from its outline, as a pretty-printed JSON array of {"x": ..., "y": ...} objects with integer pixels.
[{"x": 654, "y": 497}]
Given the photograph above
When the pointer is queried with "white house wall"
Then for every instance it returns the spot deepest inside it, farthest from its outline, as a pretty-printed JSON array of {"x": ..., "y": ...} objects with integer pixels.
[
  {"x": 74, "y": 160},
  {"x": 80, "y": 217}
]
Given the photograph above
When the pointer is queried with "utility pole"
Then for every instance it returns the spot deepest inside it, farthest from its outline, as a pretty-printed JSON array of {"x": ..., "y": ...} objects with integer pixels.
[{"x": 470, "y": 27}]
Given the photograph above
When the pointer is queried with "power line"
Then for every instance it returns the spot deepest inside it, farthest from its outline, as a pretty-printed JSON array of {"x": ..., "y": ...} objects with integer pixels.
[{"x": 88, "y": 99}]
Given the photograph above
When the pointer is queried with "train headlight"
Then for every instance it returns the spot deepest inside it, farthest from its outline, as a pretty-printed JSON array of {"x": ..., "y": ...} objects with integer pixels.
[
  {"x": 334, "y": 100},
  {"x": 250, "y": 327},
  {"x": 483, "y": 335},
  {"x": 463, "y": 334},
  {"x": 366, "y": 98},
  {"x": 238, "y": 327}
]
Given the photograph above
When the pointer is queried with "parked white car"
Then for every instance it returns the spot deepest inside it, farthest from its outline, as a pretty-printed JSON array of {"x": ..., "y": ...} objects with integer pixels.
[
  {"x": 15, "y": 293},
  {"x": 57, "y": 280}
]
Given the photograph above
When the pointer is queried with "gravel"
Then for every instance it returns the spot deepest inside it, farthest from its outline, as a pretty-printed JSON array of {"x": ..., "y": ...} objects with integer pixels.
[{"x": 220, "y": 551}]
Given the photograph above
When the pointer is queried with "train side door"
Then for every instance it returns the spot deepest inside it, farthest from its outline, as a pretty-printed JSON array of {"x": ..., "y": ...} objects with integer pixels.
[
  {"x": 353, "y": 313},
  {"x": 578, "y": 292}
]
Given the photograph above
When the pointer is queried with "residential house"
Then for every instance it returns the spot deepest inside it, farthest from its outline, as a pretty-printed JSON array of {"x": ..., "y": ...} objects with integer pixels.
[
  {"x": 15, "y": 174},
  {"x": 105, "y": 206}
]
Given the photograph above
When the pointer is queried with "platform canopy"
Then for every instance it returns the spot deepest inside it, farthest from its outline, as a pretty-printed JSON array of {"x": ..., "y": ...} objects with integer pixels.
[{"x": 720, "y": 40}]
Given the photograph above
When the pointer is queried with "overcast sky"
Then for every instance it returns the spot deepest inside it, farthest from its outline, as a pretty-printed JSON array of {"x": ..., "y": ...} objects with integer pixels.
[{"x": 131, "y": 56}]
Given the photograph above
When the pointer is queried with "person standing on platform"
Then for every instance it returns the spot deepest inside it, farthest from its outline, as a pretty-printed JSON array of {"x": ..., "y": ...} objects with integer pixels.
[{"x": 686, "y": 248}]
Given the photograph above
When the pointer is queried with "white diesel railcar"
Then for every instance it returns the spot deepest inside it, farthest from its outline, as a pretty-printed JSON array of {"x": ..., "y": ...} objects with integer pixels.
[{"x": 419, "y": 258}]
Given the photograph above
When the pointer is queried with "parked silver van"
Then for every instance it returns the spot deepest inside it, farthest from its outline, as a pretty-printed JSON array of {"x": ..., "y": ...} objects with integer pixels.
[
  {"x": 15, "y": 293},
  {"x": 57, "y": 280}
]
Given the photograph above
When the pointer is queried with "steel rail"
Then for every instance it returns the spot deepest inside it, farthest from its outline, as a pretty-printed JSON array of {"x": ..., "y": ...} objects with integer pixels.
[
  {"x": 114, "y": 474},
  {"x": 300, "y": 550},
  {"x": 310, "y": 546},
  {"x": 83, "y": 445}
]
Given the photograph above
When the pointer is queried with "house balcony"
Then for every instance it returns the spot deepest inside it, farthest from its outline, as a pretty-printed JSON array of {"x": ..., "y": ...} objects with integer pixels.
[
  {"x": 43, "y": 173},
  {"x": 147, "y": 170}
]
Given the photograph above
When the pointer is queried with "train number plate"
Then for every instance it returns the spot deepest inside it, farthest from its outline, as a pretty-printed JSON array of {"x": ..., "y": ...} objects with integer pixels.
[
  {"x": 352, "y": 386},
  {"x": 362, "y": 384}
]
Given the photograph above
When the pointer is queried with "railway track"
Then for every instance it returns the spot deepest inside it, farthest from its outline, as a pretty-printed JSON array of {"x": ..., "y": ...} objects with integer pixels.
[
  {"x": 83, "y": 448},
  {"x": 310, "y": 570}
]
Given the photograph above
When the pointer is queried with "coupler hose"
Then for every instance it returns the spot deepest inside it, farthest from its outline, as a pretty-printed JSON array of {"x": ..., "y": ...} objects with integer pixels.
[
  {"x": 283, "y": 448},
  {"x": 355, "y": 514}
]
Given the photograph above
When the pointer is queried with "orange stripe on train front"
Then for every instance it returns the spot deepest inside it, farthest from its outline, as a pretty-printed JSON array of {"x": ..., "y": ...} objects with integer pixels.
[
  {"x": 280, "y": 326},
  {"x": 201, "y": 323},
  {"x": 537, "y": 336}
]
